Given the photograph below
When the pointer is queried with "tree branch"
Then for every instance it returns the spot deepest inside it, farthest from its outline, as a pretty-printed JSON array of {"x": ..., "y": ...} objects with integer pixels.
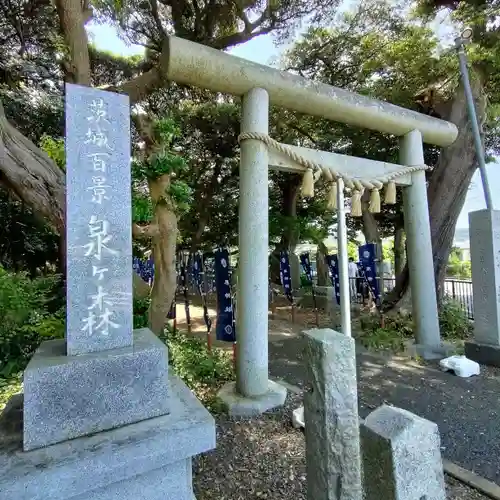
[
  {"x": 156, "y": 17},
  {"x": 145, "y": 232},
  {"x": 238, "y": 38},
  {"x": 31, "y": 174},
  {"x": 73, "y": 28}
]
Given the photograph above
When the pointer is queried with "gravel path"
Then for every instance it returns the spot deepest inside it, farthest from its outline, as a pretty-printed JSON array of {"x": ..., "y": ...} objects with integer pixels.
[
  {"x": 264, "y": 458},
  {"x": 467, "y": 411}
]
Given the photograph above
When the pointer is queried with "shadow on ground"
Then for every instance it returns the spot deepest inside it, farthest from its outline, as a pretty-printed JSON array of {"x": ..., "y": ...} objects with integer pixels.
[{"x": 466, "y": 410}]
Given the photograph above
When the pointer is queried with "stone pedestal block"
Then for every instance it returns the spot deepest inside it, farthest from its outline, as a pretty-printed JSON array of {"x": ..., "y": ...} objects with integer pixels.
[
  {"x": 242, "y": 406},
  {"x": 148, "y": 460},
  {"x": 331, "y": 417},
  {"x": 70, "y": 396},
  {"x": 401, "y": 456},
  {"x": 484, "y": 233}
]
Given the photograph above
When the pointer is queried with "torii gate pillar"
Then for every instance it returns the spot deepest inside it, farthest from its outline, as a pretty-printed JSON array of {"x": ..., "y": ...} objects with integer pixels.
[
  {"x": 253, "y": 392},
  {"x": 419, "y": 252}
]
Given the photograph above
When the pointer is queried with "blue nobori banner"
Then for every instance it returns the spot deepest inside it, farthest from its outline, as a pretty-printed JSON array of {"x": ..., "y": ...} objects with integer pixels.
[
  {"x": 367, "y": 256},
  {"x": 333, "y": 268},
  {"x": 225, "y": 329},
  {"x": 285, "y": 275},
  {"x": 305, "y": 262}
]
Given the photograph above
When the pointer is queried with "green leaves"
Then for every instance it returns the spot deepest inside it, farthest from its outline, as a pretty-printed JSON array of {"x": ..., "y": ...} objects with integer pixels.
[
  {"x": 142, "y": 208},
  {"x": 163, "y": 160},
  {"x": 24, "y": 320},
  {"x": 55, "y": 149},
  {"x": 164, "y": 163},
  {"x": 182, "y": 195}
]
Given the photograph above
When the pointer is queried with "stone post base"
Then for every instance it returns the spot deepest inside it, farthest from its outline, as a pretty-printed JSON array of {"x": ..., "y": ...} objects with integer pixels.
[
  {"x": 429, "y": 352},
  {"x": 240, "y": 406},
  {"x": 148, "y": 460},
  {"x": 483, "y": 354}
]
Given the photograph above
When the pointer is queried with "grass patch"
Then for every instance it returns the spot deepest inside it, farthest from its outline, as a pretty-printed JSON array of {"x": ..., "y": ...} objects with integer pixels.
[
  {"x": 392, "y": 337},
  {"x": 8, "y": 388},
  {"x": 398, "y": 329}
]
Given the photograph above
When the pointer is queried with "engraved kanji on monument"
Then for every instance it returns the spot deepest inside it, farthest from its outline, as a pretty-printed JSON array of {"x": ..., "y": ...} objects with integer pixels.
[{"x": 99, "y": 226}]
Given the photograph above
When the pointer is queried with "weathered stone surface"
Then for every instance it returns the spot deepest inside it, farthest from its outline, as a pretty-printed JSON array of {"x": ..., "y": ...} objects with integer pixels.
[
  {"x": 484, "y": 354},
  {"x": 70, "y": 396},
  {"x": 149, "y": 460},
  {"x": 172, "y": 482},
  {"x": 241, "y": 406},
  {"x": 484, "y": 232},
  {"x": 98, "y": 215},
  {"x": 401, "y": 456},
  {"x": 331, "y": 417}
]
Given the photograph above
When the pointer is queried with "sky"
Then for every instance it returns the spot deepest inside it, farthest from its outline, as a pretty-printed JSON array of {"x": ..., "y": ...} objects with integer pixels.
[{"x": 262, "y": 50}]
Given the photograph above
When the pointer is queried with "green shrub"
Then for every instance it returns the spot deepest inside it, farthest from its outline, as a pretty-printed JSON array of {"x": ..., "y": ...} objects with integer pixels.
[
  {"x": 397, "y": 330},
  {"x": 453, "y": 321},
  {"x": 25, "y": 320},
  {"x": 141, "y": 307},
  {"x": 204, "y": 372},
  {"x": 304, "y": 282},
  {"x": 193, "y": 362}
]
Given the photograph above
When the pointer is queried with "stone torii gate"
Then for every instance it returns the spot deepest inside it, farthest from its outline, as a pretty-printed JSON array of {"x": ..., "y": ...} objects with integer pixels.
[{"x": 193, "y": 64}]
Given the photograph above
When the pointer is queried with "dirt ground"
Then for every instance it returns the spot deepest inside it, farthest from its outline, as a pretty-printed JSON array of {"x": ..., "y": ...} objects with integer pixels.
[{"x": 264, "y": 457}]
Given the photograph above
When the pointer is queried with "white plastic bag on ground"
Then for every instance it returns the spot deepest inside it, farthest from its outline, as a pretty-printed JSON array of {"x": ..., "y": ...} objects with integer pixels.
[{"x": 460, "y": 365}]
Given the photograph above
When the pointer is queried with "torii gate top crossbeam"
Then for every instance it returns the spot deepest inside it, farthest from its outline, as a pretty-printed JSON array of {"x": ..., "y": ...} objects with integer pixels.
[{"x": 193, "y": 64}]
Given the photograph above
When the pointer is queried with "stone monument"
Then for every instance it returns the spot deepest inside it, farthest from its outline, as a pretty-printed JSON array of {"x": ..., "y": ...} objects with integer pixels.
[
  {"x": 100, "y": 406},
  {"x": 484, "y": 231}
]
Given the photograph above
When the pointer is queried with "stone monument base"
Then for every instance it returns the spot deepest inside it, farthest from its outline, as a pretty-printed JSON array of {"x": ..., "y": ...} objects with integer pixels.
[
  {"x": 148, "y": 460},
  {"x": 240, "y": 406},
  {"x": 484, "y": 354},
  {"x": 66, "y": 397}
]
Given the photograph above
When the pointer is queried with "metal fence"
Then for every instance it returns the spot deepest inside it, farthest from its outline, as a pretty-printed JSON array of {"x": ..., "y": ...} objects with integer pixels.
[{"x": 458, "y": 290}]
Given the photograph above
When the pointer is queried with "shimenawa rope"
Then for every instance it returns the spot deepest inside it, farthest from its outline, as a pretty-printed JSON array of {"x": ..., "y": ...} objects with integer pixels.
[{"x": 357, "y": 186}]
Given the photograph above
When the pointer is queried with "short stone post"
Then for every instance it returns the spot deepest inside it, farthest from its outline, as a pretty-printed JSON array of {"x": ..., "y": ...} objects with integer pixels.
[
  {"x": 331, "y": 417},
  {"x": 484, "y": 231},
  {"x": 401, "y": 456}
]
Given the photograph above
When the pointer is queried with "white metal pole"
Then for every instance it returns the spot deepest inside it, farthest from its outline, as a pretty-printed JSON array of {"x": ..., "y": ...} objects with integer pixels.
[
  {"x": 478, "y": 143},
  {"x": 345, "y": 299},
  {"x": 252, "y": 320},
  {"x": 419, "y": 247}
]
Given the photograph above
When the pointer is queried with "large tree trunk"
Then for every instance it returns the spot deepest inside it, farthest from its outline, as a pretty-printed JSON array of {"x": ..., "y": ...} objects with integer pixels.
[
  {"x": 290, "y": 236},
  {"x": 399, "y": 250},
  {"x": 164, "y": 245},
  {"x": 31, "y": 175},
  {"x": 370, "y": 224},
  {"x": 321, "y": 267},
  {"x": 447, "y": 190}
]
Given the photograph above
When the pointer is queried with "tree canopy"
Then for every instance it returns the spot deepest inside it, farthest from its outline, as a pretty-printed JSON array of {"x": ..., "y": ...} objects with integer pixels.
[{"x": 377, "y": 48}]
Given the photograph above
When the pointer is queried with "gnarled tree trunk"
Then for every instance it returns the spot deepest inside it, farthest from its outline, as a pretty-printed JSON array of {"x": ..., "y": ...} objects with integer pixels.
[
  {"x": 321, "y": 267},
  {"x": 289, "y": 238},
  {"x": 447, "y": 190},
  {"x": 399, "y": 250},
  {"x": 164, "y": 245},
  {"x": 31, "y": 175},
  {"x": 370, "y": 224}
]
